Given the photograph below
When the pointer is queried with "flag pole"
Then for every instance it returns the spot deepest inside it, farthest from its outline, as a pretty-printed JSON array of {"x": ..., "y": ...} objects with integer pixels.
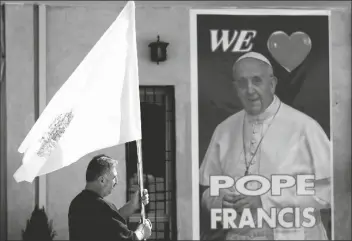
[{"x": 140, "y": 176}]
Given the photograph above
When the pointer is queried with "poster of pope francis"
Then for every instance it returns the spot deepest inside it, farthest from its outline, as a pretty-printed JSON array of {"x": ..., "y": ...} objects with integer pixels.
[{"x": 263, "y": 99}]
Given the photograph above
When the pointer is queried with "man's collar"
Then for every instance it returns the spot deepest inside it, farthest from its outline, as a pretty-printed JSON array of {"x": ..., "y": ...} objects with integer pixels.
[
  {"x": 91, "y": 192},
  {"x": 267, "y": 114}
]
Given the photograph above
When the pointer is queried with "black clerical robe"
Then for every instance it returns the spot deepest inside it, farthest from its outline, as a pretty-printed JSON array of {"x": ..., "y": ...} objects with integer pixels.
[{"x": 91, "y": 218}]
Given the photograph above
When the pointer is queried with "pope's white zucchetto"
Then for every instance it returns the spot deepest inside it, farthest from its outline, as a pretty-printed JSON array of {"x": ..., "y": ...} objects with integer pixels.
[{"x": 254, "y": 55}]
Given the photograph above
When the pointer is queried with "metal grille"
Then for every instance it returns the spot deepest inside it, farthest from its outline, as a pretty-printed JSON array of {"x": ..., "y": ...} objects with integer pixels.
[{"x": 158, "y": 145}]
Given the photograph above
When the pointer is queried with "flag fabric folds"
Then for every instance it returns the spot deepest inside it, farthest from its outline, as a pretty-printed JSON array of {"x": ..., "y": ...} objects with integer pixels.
[{"x": 97, "y": 107}]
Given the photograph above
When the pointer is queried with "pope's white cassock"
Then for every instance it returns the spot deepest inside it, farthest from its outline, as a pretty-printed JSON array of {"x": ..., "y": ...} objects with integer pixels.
[{"x": 294, "y": 144}]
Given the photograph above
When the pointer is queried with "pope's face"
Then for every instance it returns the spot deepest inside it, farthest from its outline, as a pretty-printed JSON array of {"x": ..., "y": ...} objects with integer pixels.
[{"x": 254, "y": 84}]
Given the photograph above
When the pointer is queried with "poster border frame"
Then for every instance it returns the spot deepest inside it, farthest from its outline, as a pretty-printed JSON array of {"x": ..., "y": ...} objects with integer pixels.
[{"x": 194, "y": 95}]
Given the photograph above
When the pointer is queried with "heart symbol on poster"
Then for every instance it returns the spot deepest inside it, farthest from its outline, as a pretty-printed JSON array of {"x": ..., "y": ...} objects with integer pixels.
[{"x": 289, "y": 51}]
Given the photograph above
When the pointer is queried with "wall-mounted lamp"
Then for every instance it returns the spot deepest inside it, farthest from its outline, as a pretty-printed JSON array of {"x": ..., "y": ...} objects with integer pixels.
[{"x": 158, "y": 50}]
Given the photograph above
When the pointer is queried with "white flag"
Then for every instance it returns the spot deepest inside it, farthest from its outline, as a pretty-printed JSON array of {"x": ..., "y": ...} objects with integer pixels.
[{"x": 97, "y": 107}]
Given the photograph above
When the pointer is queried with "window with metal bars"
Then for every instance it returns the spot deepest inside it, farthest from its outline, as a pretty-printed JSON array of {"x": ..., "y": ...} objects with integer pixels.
[{"x": 158, "y": 156}]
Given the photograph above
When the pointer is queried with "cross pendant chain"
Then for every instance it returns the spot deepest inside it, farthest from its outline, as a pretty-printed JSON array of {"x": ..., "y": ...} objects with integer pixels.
[{"x": 248, "y": 164}]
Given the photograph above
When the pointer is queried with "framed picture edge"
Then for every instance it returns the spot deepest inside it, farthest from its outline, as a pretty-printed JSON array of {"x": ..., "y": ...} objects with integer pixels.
[{"x": 194, "y": 96}]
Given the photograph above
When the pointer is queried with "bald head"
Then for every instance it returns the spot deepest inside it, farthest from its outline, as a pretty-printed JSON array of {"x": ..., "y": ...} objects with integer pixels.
[{"x": 254, "y": 82}]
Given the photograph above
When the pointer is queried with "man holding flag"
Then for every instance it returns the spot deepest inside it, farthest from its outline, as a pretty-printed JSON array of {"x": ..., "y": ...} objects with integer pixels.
[
  {"x": 96, "y": 108},
  {"x": 92, "y": 218}
]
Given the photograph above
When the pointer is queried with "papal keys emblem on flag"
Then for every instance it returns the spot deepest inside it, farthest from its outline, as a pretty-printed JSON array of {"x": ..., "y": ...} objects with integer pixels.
[{"x": 52, "y": 136}]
